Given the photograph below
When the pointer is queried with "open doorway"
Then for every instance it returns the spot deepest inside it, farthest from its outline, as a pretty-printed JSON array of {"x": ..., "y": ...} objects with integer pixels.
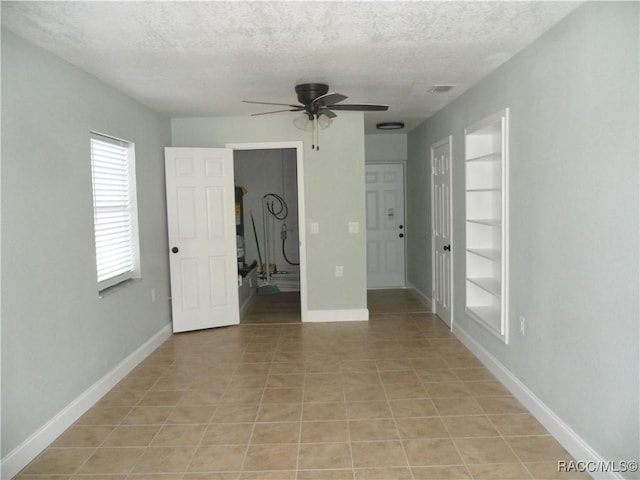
[{"x": 269, "y": 239}]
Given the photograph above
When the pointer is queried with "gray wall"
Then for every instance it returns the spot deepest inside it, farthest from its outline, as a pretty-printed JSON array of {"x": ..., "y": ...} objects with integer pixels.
[
  {"x": 574, "y": 219},
  {"x": 334, "y": 194},
  {"x": 385, "y": 147},
  {"x": 418, "y": 211},
  {"x": 58, "y": 337}
]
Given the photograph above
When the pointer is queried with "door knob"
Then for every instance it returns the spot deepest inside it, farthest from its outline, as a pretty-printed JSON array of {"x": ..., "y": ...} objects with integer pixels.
[
  {"x": 175, "y": 250},
  {"x": 401, "y": 235},
  {"x": 447, "y": 248},
  {"x": 401, "y": 227}
]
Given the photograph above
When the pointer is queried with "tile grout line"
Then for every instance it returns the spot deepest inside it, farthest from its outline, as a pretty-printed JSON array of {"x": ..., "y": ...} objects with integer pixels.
[
  {"x": 347, "y": 421},
  {"x": 393, "y": 416},
  {"x": 119, "y": 424},
  {"x": 381, "y": 337}
]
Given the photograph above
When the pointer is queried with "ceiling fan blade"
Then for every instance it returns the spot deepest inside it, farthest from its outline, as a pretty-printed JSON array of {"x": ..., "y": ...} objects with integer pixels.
[
  {"x": 329, "y": 99},
  {"x": 328, "y": 113},
  {"x": 270, "y": 103},
  {"x": 362, "y": 107},
  {"x": 278, "y": 111}
]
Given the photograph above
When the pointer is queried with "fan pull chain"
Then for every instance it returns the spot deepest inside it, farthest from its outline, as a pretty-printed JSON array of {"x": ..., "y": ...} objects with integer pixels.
[{"x": 315, "y": 136}]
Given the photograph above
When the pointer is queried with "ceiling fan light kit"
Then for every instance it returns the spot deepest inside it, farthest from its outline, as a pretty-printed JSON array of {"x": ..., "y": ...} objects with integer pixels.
[
  {"x": 303, "y": 122},
  {"x": 317, "y": 106}
]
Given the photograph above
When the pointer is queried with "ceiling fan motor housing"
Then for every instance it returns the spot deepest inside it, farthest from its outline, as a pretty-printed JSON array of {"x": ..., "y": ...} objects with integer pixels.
[{"x": 308, "y": 92}]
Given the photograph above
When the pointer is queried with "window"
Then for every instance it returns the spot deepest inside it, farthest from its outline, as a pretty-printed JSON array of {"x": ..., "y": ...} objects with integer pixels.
[{"x": 114, "y": 210}]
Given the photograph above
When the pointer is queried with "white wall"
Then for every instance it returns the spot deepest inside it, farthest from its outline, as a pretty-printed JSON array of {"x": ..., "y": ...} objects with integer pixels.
[
  {"x": 574, "y": 220},
  {"x": 58, "y": 337},
  {"x": 334, "y": 196}
]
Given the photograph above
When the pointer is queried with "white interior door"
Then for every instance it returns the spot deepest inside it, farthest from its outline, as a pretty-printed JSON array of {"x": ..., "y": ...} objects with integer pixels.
[
  {"x": 385, "y": 225},
  {"x": 441, "y": 228},
  {"x": 202, "y": 237}
]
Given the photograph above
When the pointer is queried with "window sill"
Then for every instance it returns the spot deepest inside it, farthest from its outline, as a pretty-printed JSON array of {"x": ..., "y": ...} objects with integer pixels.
[{"x": 105, "y": 292}]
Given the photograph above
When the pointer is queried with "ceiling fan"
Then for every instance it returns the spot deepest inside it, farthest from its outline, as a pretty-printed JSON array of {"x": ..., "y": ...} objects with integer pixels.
[{"x": 317, "y": 103}]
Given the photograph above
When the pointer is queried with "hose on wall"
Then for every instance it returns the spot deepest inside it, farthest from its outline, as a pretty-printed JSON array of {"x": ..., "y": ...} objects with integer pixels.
[{"x": 278, "y": 208}]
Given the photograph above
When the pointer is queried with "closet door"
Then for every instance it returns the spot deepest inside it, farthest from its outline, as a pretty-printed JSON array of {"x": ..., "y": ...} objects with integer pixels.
[
  {"x": 202, "y": 237},
  {"x": 441, "y": 221}
]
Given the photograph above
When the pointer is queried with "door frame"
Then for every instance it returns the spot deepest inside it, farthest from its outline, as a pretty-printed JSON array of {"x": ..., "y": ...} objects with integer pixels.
[
  {"x": 299, "y": 147},
  {"x": 403, "y": 164},
  {"x": 448, "y": 140}
]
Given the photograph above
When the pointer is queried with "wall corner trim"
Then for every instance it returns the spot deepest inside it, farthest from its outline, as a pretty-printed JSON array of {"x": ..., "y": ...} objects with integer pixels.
[
  {"x": 24, "y": 453},
  {"x": 562, "y": 432},
  {"x": 351, "y": 315}
]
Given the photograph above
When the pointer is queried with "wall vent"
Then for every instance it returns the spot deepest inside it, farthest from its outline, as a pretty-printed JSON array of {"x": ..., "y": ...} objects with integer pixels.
[{"x": 440, "y": 88}]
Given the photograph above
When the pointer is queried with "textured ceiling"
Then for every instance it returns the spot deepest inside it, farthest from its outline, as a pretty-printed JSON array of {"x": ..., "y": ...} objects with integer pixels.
[{"x": 203, "y": 58}]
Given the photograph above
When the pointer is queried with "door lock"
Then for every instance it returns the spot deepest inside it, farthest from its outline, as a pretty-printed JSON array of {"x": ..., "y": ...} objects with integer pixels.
[{"x": 175, "y": 250}]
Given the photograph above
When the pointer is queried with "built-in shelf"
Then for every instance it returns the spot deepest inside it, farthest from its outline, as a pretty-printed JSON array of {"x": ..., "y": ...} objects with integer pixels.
[
  {"x": 483, "y": 189},
  {"x": 490, "y": 157},
  {"x": 486, "y": 217},
  {"x": 489, "y": 253},
  {"x": 488, "y": 316},
  {"x": 488, "y": 284},
  {"x": 491, "y": 222}
]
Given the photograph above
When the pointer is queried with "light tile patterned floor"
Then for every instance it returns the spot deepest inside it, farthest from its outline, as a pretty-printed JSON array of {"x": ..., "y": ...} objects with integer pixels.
[{"x": 398, "y": 397}]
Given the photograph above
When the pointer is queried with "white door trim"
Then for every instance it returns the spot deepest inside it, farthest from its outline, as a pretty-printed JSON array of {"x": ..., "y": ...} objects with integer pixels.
[
  {"x": 445, "y": 141},
  {"x": 299, "y": 146}
]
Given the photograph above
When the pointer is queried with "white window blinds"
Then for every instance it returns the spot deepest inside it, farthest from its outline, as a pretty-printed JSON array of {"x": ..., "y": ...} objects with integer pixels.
[{"x": 114, "y": 209}]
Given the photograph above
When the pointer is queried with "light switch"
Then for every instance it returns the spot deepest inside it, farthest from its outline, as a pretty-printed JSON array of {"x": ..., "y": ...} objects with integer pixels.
[
  {"x": 354, "y": 227},
  {"x": 315, "y": 227}
]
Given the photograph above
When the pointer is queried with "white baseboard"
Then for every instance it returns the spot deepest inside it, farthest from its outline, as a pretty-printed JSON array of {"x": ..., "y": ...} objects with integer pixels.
[
  {"x": 351, "y": 315},
  {"x": 569, "y": 439},
  {"x": 422, "y": 296},
  {"x": 24, "y": 453}
]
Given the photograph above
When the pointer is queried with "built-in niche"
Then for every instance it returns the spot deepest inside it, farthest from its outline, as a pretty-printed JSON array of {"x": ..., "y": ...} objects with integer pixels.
[{"x": 486, "y": 217}]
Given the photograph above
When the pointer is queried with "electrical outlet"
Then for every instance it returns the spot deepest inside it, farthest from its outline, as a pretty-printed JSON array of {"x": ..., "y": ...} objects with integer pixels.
[
  {"x": 523, "y": 325},
  {"x": 153, "y": 295},
  {"x": 354, "y": 227},
  {"x": 339, "y": 270}
]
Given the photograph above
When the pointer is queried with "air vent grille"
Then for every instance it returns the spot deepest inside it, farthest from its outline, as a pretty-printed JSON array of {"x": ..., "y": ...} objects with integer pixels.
[{"x": 440, "y": 88}]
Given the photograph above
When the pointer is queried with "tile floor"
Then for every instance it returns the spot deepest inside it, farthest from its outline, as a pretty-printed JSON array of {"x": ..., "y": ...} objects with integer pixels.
[
  {"x": 281, "y": 308},
  {"x": 398, "y": 397}
]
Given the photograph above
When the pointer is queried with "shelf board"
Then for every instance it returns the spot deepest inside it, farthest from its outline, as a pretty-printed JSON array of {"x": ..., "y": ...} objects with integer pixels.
[
  {"x": 488, "y": 284},
  {"x": 492, "y": 222},
  {"x": 489, "y": 253},
  {"x": 490, "y": 157},
  {"x": 489, "y": 315},
  {"x": 492, "y": 189}
]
